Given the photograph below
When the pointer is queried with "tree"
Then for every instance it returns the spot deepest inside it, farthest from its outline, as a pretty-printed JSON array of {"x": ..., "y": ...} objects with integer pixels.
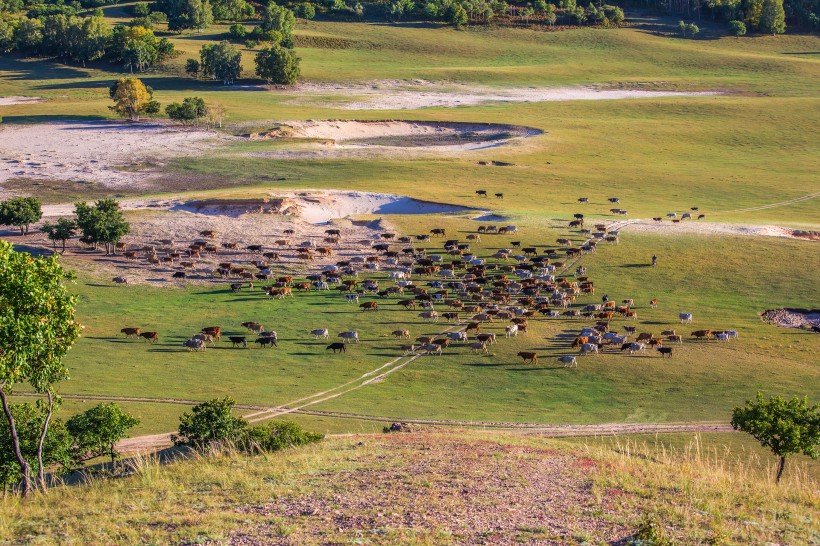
[
  {"x": 737, "y": 28},
  {"x": 29, "y": 421},
  {"x": 221, "y": 61},
  {"x": 131, "y": 98},
  {"x": 209, "y": 422},
  {"x": 20, "y": 212},
  {"x": 305, "y": 10},
  {"x": 231, "y": 10},
  {"x": 97, "y": 430},
  {"x": 191, "y": 109},
  {"x": 783, "y": 426},
  {"x": 458, "y": 16},
  {"x": 277, "y": 65},
  {"x": 102, "y": 223},
  {"x": 279, "y": 19},
  {"x": 237, "y": 32},
  {"x": 216, "y": 113},
  {"x": 772, "y": 17},
  {"x": 37, "y": 329},
  {"x": 63, "y": 230},
  {"x": 275, "y": 436},
  {"x": 187, "y": 14},
  {"x": 192, "y": 68}
]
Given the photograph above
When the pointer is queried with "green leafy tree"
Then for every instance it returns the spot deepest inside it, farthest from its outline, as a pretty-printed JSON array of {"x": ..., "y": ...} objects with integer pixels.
[
  {"x": 231, "y": 10},
  {"x": 221, "y": 61},
  {"x": 102, "y": 223},
  {"x": 305, "y": 10},
  {"x": 737, "y": 28},
  {"x": 192, "y": 68},
  {"x": 772, "y": 17},
  {"x": 208, "y": 423},
  {"x": 37, "y": 329},
  {"x": 458, "y": 16},
  {"x": 279, "y": 19},
  {"x": 138, "y": 48},
  {"x": 97, "y": 430},
  {"x": 277, "y": 65},
  {"x": 141, "y": 9},
  {"x": 21, "y": 212},
  {"x": 192, "y": 109},
  {"x": 29, "y": 421},
  {"x": 237, "y": 32},
  {"x": 784, "y": 426},
  {"x": 63, "y": 230},
  {"x": 28, "y": 35},
  {"x": 187, "y": 14}
]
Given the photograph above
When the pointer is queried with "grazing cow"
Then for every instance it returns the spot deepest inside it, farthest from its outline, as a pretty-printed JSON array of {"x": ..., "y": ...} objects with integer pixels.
[
  {"x": 407, "y": 304},
  {"x": 644, "y": 336},
  {"x": 481, "y": 193},
  {"x": 450, "y": 316},
  {"x": 337, "y": 347},
  {"x": 473, "y": 326},
  {"x": 120, "y": 280},
  {"x": 568, "y": 361},
  {"x": 722, "y": 336},
  {"x": 499, "y": 196},
  {"x": 441, "y": 232},
  {"x": 486, "y": 338},
  {"x": 239, "y": 340},
  {"x": 236, "y": 286},
  {"x": 429, "y": 315},
  {"x": 349, "y": 336},
  {"x": 635, "y": 348},
  {"x": 528, "y": 356},
  {"x": 130, "y": 332},
  {"x": 458, "y": 336},
  {"x": 432, "y": 349},
  {"x": 699, "y": 334},
  {"x": 511, "y": 330},
  {"x": 701, "y": 216},
  {"x": 179, "y": 275},
  {"x": 614, "y": 200},
  {"x": 207, "y": 338},
  {"x": 664, "y": 351},
  {"x": 369, "y": 306},
  {"x": 194, "y": 344},
  {"x": 352, "y": 298},
  {"x": 408, "y": 348},
  {"x": 320, "y": 333},
  {"x": 405, "y": 334},
  {"x": 588, "y": 348},
  {"x": 477, "y": 346},
  {"x": 583, "y": 199},
  {"x": 153, "y": 337},
  {"x": 685, "y": 318},
  {"x": 580, "y": 340},
  {"x": 266, "y": 342},
  {"x": 675, "y": 339}
]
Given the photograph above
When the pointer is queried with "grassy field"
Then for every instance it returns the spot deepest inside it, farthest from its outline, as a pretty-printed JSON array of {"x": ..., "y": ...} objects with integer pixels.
[{"x": 509, "y": 488}]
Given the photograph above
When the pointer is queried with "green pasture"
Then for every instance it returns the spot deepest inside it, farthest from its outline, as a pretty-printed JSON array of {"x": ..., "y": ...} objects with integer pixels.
[{"x": 723, "y": 281}]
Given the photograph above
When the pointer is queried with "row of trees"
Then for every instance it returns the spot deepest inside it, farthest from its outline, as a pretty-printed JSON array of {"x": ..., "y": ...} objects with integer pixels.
[
  {"x": 71, "y": 38},
  {"x": 20, "y": 212},
  {"x": 764, "y": 16}
]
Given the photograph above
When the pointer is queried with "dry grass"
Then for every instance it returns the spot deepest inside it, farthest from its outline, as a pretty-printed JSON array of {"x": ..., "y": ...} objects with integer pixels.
[{"x": 428, "y": 488}]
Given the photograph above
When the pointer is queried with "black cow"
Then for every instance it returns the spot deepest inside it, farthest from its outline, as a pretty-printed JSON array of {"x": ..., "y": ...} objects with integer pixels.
[
  {"x": 337, "y": 347},
  {"x": 264, "y": 341},
  {"x": 179, "y": 275},
  {"x": 665, "y": 351},
  {"x": 239, "y": 340}
]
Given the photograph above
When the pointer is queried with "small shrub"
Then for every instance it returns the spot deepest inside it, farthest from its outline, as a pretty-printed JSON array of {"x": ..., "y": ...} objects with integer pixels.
[
  {"x": 277, "y": 435},
  {"x": 650, "y": 532}
]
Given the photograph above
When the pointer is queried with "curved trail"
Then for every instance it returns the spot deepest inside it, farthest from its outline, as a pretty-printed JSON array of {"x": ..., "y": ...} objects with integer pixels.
[{"x": 772, "y": 205}]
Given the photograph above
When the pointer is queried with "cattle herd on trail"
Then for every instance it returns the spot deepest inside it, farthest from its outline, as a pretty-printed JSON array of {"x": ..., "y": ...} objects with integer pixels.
[{"x": 463, "y": 294}]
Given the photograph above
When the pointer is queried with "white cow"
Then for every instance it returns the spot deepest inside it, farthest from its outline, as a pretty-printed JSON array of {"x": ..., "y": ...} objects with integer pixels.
[
  {"x": 349, "y": 336},
  {"x": 457, "y": 336},
  {"x": 722, "y": 337},
  {"x": 352, "y": 298},
  {"x": 511, "y": 330},
  {"x": 429, "y": 315},
  {"x": 568, "y": 361},
  {"x": 685, "y": 318},
  {"x": 589, "y": 348},
  {"x": 320, "y": 333}
]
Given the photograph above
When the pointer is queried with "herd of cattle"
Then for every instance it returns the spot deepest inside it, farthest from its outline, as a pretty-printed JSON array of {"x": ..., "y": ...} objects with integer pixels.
[{"x": 473, "y": 294}]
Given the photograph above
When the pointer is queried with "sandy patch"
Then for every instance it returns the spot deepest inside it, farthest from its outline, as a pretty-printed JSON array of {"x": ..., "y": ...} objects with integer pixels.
[
  {"x": 11, "y": 101},
  {"x": 113, "y": 154},
  {"x": 713, "y": 228},
  {"x": 410, "y": 95}
]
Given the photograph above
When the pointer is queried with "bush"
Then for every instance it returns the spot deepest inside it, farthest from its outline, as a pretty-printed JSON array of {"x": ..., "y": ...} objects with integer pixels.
[
  {"x": 140, "y": 9},
  {"x": 237, "y": 32},
  {"x": 208, "y": 423},
  {"x": 737, "y": 28},
  {"x": 305, "y": 10},
  {"x": 275, "y": 436}
]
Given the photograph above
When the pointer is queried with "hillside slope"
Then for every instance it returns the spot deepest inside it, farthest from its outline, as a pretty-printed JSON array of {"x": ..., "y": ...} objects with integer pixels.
[{"x": 430, "y": 488}]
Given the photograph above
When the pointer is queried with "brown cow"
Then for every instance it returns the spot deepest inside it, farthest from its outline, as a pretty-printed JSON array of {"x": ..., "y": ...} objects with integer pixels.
[
  {"x": 401, "y": 333},
  {"x": 473, "y": 326},
  {"x": 215, "y": 331},
  {"x": 369, "y": 306},
  {"x": 580, "y": 340},
  {"x": 528, "y": 356},
  {"x": 675, "y": 339},
  {"x": 698, "y": 334},
  {"x": 153, "y": 337},
  {"x": 130, "y": 332},
  {"x": 644, "y": 336}
]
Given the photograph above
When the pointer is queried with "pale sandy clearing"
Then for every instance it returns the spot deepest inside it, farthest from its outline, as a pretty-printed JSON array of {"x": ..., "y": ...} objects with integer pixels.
[
  {"x": 11, "y": 101},
  {"x": 711, "y": 228},
  {"x": 113, "y": 154},
  {"x": 415, "y": 94}
]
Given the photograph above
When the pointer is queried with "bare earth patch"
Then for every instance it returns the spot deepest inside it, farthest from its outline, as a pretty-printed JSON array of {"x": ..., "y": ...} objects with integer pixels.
[
  {"x": 792, "y": 318},
  {"x": 440, "y": 489},
  {"x": 11, "y": 101},
  {"x": 121, "y": 155},
  {"x": 411, "y": 95},
  {"x": 713, "y": 228}
]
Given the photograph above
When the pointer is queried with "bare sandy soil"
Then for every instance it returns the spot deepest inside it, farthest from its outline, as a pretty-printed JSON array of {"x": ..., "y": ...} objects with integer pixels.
[
  {"x": 113, "y": 154},
  {"x": 415, "y": 94},
  {"x": 713, "y": 228},
  {"x": 11, "y": 101}
]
